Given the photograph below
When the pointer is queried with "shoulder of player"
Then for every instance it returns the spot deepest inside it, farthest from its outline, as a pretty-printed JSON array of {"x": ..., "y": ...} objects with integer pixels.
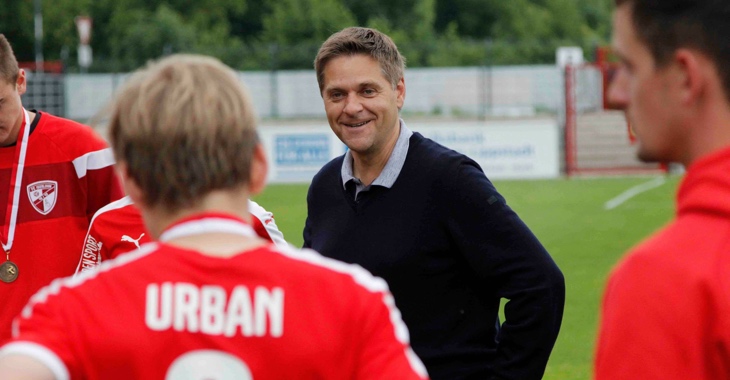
[
  {"x": 69, "y": 135},
  {"x": 674, "y": 256},
  {"x": 678, "y": 241},
  {"x": 312, "y": 266},
  {"x": 122, "y": 207},
  {"x": 57, "y": 124},
  {"x": 85, "y": 283},
  {"x": 115, "y": 220}
]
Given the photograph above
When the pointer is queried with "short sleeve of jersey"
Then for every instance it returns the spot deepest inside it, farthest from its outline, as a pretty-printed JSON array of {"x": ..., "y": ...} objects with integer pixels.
[
  {"x": 42, "y": 332},
  {"x": 97, "y": 247},
  {"x": 264, "y": 224}
]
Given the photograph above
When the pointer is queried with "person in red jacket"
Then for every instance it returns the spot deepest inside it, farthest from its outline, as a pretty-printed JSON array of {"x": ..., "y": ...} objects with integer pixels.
[
  {"x": 209, "y": 298},
  {"x": 666, "y": 309},
  {"x": 54, "y": 175},
  {"x": 118, "y": 228}
]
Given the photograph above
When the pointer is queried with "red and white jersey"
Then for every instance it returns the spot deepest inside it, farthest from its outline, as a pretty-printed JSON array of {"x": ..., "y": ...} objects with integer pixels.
[
  {"x": 264, "y": 225},
  {"x": 118, "y": 228},
  {"x": 68, "y": 175},
  {"x": 266, "y": 313}
]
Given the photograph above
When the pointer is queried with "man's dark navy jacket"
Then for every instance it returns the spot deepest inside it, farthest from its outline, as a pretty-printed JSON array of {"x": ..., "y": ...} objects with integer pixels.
[{"x": 449, "y": 247}]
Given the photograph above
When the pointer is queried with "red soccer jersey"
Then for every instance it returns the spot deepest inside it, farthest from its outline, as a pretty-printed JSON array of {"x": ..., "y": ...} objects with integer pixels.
[
  {"x": 666, "y": 307},
  {"x": 265, "y": 313},
  {"x": 68, "y": 176},
  {"x": 118, "y": 228}
]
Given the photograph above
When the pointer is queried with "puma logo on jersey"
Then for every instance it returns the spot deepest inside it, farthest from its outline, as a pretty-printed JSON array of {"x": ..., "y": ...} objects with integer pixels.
[
  {"x": 134, "y": 241},
  {"x": 43, "y": 195}
]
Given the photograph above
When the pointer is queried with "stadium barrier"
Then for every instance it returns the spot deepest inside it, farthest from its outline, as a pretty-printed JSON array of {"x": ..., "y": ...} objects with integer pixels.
[
  {"x": 505, "y": 149},
  {"x": 477, "y": 93},
  {"x": 597, "y": 139}
]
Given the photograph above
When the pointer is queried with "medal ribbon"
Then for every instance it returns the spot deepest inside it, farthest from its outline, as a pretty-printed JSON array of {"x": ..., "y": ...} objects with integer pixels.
[
  {"x": 207, "y": 223},
  {"x": 16, "y": 179}
]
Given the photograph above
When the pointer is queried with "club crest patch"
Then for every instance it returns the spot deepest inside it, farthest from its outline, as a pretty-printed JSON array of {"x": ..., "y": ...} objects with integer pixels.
[{"x": 43, "y": 195}]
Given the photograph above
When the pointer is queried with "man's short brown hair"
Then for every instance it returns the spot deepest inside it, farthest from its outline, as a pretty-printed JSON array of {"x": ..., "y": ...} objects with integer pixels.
[
  {"x": 8, "y": 63},
  {"x": 366, "y": 41},
  {"x": 184, "y": 126},
  {"x": 667, "y": 25}
]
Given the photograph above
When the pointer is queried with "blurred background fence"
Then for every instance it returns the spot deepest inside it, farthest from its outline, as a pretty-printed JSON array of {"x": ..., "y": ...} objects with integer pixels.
[
  {"x": 456, "y": 92},
  {"x": 471, "y": 100}
]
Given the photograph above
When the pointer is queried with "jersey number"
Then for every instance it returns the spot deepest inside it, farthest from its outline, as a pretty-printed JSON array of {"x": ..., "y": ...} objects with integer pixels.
[{"x": 208, "y": 365}]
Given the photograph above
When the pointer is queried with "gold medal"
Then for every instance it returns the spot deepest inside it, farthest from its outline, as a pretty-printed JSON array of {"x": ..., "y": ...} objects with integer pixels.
[
  {"x": 8, "y": 269},
  {"x": 8, "y": 272}
]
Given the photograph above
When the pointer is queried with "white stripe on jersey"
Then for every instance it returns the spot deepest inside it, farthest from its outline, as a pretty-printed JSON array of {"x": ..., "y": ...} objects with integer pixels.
[
  {"x": 372, "y": 283},
  {"x": 267, "y": 220},
  {"x": 207, "y": 225},
  {"x": 40, "y": 353},
  {"x": 119, "y": 203},
  {"x": 93, "y": 161},
  {"x": 71, "y": 282}
]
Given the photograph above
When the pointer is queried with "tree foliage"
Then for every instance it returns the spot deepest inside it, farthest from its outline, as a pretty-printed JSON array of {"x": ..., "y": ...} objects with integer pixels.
[
  {"x": 285, "y": 34},
  {"x": 295, "y": 28}
]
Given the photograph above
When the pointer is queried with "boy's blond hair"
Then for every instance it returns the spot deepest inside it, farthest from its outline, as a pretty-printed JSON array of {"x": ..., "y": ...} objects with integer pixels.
[{"x": 184, "y": 126}]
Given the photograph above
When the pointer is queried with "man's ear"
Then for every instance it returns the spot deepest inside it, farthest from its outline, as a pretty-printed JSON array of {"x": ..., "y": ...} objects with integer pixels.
[
  {"x": 130, "y": 185},
  {"x": 21, "y": 85},
  {"x": 259, "y": 170},
  {"x": 692, "y": 75},
  {"x": 400, "y": 92}
]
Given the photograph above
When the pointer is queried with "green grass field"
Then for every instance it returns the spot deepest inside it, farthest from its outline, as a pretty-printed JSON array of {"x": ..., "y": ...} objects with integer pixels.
[{"x": 568, "y": 216}]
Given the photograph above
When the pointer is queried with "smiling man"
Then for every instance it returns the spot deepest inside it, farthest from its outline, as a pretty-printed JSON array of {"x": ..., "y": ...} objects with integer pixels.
[{"x": 427, "y": 220}]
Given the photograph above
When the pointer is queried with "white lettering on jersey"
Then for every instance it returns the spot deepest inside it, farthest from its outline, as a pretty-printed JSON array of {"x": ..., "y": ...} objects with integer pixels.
[
  {"x": 92, "y": 254},
  {"x": 210, "y": 310}
]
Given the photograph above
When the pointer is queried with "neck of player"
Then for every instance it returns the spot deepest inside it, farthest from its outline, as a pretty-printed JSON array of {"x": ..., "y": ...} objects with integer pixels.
[
  {"x": 219, "y": 244},
  {"x": 13, "y": 138}
]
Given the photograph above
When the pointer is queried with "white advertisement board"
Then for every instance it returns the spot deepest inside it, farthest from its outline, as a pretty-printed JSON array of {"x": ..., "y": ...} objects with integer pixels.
[
  {"x": 510, "y": 149},
  {"x": 296, "y": 153}
]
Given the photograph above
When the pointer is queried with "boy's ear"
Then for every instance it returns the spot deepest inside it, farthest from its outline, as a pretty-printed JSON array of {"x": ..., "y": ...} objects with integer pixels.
[{"x": 259, "y": 170}]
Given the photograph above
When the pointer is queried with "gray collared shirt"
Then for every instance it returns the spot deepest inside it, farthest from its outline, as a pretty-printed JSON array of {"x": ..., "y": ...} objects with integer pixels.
[{"x": 391, "y": 170}]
